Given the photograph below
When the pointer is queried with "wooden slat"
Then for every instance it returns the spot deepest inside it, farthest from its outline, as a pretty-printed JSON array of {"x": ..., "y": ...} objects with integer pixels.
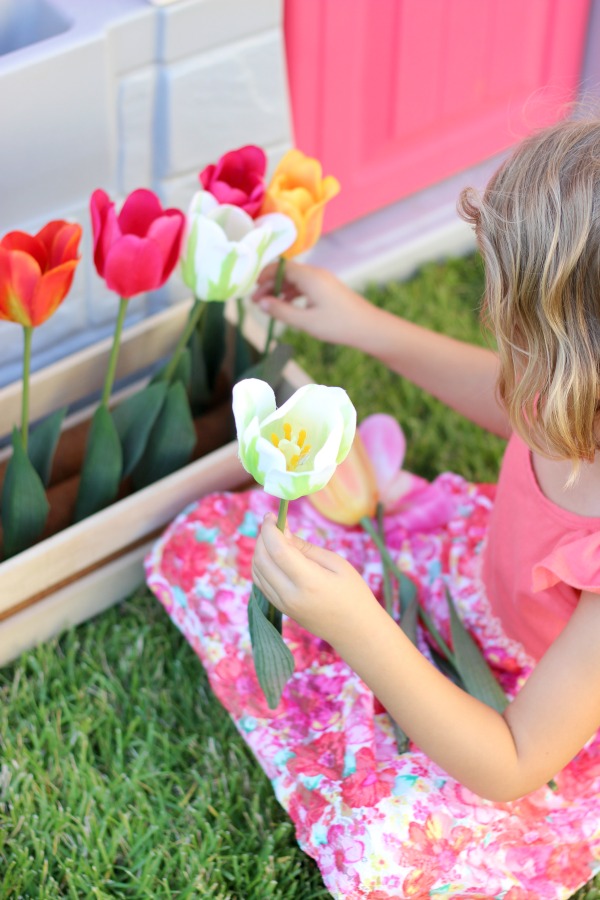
[
  {"x": 75, "y": 603},
  {"x": 83, "y": 545}
]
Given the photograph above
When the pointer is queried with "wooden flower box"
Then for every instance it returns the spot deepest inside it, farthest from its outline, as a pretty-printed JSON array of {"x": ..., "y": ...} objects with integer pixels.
[{"x": 83, "y": 569}]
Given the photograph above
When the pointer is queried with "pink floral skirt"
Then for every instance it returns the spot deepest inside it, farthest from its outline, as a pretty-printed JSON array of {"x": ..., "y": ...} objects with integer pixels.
[{"x": 380, "y": 825}]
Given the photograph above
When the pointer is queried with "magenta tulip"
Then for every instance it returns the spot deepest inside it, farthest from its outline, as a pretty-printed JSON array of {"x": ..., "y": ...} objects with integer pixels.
[
  {"x": 238, "y": 179},
  {"x": 137, "y": 250}
]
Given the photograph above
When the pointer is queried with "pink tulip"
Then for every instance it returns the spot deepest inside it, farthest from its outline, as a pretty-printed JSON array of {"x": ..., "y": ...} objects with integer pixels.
[
  {"x": 238, "y": 178},
  {"x": 137, "y": 250},
  {"x": 385, "y": 444}
]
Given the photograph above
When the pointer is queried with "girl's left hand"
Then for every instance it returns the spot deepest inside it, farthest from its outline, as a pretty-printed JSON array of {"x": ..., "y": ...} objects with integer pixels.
[{"x": 313, "y": 586}]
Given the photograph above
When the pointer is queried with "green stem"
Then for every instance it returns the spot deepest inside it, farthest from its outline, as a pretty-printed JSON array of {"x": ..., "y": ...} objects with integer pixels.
[
  {"x": 27, "y": 336},
  {"x": 276, "y": 292},
  {"x": 240, "y": 314},
  {"x": 114, "y": 353},
  {"x": 423, "y": 614},
  {"x": 274, "y": 615},
  {"x": 193, "y": 319},
  {"x": 387, "y": 581}
]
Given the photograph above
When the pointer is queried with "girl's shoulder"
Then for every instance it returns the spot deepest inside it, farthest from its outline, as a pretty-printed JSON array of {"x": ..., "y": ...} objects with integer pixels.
[
  {"x": 575, "y": 559},
  {"x": 582, "y": 497}
]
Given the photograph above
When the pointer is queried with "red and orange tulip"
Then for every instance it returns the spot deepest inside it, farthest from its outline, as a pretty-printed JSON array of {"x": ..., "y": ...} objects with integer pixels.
[{"x": 36, "y": 271}]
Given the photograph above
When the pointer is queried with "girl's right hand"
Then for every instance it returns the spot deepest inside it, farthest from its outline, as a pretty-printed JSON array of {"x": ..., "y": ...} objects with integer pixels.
[{"x": 332, "y": 311}]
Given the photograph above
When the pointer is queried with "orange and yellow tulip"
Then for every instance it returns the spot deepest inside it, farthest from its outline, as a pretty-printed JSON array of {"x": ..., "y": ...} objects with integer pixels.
[
  {"x": 352, "y": 491},
  {"x": 36, "y": 271},
  {"x": 299, "y": 190}
]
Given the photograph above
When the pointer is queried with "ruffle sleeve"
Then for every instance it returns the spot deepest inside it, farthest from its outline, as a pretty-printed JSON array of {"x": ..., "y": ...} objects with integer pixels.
[{"x": 575, "y": 560}]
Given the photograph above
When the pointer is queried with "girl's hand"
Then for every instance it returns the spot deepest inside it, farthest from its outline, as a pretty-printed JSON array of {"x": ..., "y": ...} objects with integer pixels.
[
  {"x": 332, "y": 311},
  {"x": 313, "y": 586}
]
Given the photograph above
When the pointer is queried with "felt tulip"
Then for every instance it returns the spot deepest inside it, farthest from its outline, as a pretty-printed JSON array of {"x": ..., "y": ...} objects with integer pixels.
[
  {"x": 136, "y": 250},
  {"x": 225, "y": 249},
  {"x": 238, "y": 179},
  {"x": 291, "y": 451},
  {"x": 36, "y": 271},
  {"x": 294, "y": 450},
  {"x": 299, "y": 190}
]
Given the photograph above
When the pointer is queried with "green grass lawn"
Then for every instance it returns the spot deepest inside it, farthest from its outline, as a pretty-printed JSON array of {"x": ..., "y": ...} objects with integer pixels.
[{"x": 120, "y": 774}]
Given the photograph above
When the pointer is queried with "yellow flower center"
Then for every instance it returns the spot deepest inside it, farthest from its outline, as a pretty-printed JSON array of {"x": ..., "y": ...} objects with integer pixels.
[{"x": 294, "y": 449}]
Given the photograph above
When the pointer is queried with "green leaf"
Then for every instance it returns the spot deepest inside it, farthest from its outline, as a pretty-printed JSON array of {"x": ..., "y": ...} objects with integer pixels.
[
  {"x": 446, "y": 667},
  {"x": 182, "y": 372},
  {"x": 472, "y": 667},
  {"x": 408, "y": 621},
  {"x": 213, "y": 329},
  {"x": 42, "y": 443},
  {"x": 134, "y": 418},
  {"x": 171, "y": 442},
  {"x": 271, "y": 368},
  {"x": 24, "y": 503},
  {"x": 273, "y": 660},
  {"x": 408, "y": 593},
  {"x": 200, "y": 392},
  {"x": 102, "y": 466},
  {"x": 408, "y": 624}
]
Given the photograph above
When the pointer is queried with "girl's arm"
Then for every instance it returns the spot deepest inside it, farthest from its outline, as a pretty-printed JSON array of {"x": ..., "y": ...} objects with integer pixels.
[
  {"x": 500, "y": 757},
  {"x": 461, "y": 375}
]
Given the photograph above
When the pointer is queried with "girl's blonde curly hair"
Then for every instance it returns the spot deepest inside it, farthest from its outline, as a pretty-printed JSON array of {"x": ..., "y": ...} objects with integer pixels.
[{"x": 538, "y": 229}]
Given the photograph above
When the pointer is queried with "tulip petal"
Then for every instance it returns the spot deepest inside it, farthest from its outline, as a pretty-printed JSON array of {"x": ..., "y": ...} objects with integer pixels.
[
  {"x": 386, "y": 445},
  {"x": 167, "y": 232},
  {"x": 282, "y": 234},
  {"x": 51, "y": 290},
  {"x": 251, "y": 398},
  {"x": 352, "y": 491},
  {"x": 292, "y": 485},
  {"x": 133, "y": 265},
  {"x": 206, "y": 175},
  {"x": 304, "y": 170},
  {"x": 105, "y": 227},
  {"x": 202, "y": 203},
  {"x": 226, "y": 193},
  {"x": 19, "y": 275},
  {"x": 139, "y": 211},
  {"x": 219, "y": 269},
  {"x": 20, "y": 240},
  {"x": 62, "y": 242}
]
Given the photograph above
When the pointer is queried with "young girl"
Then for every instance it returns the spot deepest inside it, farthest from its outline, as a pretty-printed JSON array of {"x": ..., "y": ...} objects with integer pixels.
[
  {"x": 538, "y": 229},
  {"x": 443, "y": 819}
]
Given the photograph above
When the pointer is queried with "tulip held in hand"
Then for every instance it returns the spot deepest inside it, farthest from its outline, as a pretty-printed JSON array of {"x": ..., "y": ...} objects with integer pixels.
[
  {"x": 291, "y": 451},
  {"x": 294, "y": 450}
]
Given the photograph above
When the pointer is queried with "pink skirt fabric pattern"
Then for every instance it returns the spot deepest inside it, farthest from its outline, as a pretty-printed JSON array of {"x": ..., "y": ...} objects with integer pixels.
[{"x": 380, "y": 825}]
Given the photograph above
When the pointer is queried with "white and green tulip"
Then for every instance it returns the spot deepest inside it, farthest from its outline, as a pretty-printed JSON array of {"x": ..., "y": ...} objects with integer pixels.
[
  {"x": 292, "y": 450},
  {"x": 224, "y": 249}
]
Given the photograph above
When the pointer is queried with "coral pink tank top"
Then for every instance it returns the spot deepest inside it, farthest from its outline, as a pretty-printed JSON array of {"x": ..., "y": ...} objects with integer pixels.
[{"x": 539, "y": 557}]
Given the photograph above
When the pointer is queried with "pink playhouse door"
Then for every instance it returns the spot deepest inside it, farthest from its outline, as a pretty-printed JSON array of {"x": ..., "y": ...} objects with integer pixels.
[{"x": 395, "y": 95}]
